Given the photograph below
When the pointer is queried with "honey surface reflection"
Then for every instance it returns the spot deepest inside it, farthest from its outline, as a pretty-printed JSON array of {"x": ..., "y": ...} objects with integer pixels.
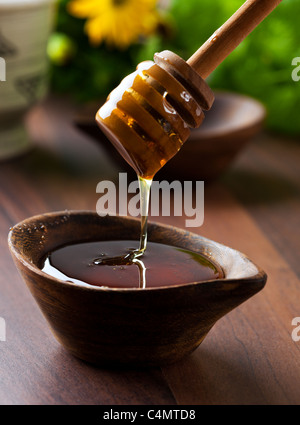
[{"x": 161, "y": 265}]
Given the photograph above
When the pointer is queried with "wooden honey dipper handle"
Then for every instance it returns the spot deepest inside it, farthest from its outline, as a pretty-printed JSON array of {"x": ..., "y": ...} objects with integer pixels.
[{"x": 230, "y": 35}]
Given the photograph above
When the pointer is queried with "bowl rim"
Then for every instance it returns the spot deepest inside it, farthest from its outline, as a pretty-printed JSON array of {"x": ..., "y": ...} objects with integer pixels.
[
  {"x": 260, "y": 275},
  {"x": 256, "y": 120}
]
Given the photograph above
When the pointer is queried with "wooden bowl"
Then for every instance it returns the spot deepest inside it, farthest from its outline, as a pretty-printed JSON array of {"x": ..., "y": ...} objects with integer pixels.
[
  {"x": 228, "y": 127},
  {"x": 145, "y": 327}
]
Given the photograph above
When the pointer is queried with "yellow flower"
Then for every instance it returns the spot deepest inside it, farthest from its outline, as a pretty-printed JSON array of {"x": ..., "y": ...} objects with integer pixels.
[{"x": 117, "y": 22}]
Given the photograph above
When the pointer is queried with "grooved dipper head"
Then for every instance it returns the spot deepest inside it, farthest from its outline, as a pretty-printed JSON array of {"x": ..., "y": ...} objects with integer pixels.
[{"x": 147, "y": 117}]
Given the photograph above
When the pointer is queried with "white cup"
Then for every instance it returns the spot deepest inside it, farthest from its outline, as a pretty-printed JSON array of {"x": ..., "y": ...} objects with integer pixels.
[{"x": 25, "y": 26}]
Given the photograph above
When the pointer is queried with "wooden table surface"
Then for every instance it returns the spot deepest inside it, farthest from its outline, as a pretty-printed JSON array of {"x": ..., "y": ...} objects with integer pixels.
[{"x": 249, "y": 357}]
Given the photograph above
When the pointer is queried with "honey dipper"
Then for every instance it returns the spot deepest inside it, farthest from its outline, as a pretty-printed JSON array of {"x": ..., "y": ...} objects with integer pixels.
[{"x": 148, "y": 116}]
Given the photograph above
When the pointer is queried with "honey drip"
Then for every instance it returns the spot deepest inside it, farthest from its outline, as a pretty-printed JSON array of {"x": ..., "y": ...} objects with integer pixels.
[
  {"x": 148, "y": 119},
  {"x": 147, "y": 148},
  {"x": 133, "y": 256}
]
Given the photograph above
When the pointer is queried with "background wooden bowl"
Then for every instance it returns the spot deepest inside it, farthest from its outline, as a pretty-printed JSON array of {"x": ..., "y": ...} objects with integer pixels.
[
  {"x": 140, "y": 326},
  {"x": 228, "y": 127}
]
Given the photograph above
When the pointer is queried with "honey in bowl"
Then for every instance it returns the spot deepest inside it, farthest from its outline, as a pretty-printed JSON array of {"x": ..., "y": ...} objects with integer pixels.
[
  {"x": 147, "y": 118},
  {"x": 160, "y": 265}
]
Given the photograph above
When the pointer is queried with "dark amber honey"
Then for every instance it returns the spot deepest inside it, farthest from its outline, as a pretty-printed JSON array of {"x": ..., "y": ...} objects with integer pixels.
[
  {"x": 137, "y": 121},
  {"x": 161, "y": 265},
  {"x": 147, "y": 118}
]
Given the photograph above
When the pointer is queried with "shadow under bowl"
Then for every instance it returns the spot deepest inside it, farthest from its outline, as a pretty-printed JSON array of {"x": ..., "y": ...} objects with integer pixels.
[{"x": 143, "y": 327}]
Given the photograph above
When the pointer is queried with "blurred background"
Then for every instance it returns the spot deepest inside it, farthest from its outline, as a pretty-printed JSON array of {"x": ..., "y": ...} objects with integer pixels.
[
  {"x": 254, "y": 207},
  {"x": 96, "y": 43}
]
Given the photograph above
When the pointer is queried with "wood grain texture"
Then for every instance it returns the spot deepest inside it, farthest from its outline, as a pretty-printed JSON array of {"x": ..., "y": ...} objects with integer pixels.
[
  {"x": 150, "y": 327},
  {"x": 260, "y": 364},
  {"x": 249, "y": 356}
]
